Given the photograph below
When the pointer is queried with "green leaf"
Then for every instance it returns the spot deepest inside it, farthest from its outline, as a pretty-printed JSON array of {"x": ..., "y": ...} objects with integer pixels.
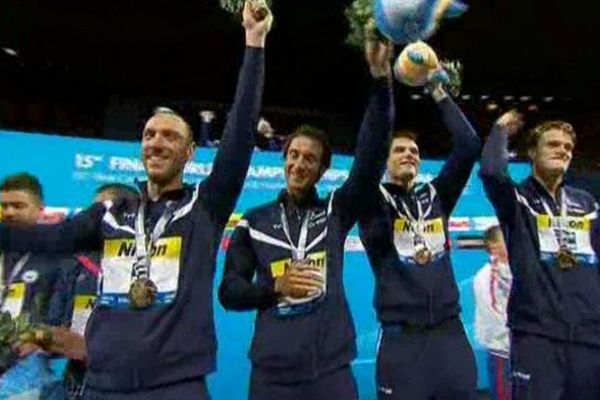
[
  {"x": 236, "y": 6},
  {"x": 455, "y": 70},
  {"x": 361, "y": 23}
]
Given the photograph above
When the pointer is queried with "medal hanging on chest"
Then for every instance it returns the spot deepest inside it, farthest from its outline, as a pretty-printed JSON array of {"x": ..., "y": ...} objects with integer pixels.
[
  {"x": 565, "y": 257},
  {"x": 299, "y": 251},
  {"x": 422, "y": 252},
  {"x": 142, "y": 293},
  {"x": 142, "y": 290}
]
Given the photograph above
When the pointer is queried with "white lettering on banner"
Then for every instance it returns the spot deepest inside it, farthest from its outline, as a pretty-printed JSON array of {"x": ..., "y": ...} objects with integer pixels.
[
  {"x": 102, "y": 177},
  {"x": 265, "y": 171},
  {"x": 87, "y": 161},
  {"x": 125, "y": 164},
  {"x": 459, "y": 224},
  {"x": 201, "y": 169},
  {"x": 483, "y": 223},
  {"x": 133, "y": 164},
  {"x": 256, "y": 184},
  {"x": 335, "y": 175},
  {"x": 80, "y": 176},
  {"x": 353, "y": 244}
]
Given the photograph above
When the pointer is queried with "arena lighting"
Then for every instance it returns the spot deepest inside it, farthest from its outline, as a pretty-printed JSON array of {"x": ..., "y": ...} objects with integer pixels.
[
  {"x": 466, "y": 97},
  {"x": 10, "y": 51},
  {"x": 525, "y": 98},
  {"x": 490, "y": 107},
  {"x": 509, "y": 98},
  {"x": 548, "y": 99},
  {"x": 485, "y": 96},
  {"x": 416, "y": 97}
]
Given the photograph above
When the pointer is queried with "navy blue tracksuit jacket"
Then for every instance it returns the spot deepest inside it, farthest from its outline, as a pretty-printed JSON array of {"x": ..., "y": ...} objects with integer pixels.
[
  {"x": 133, "y": 350},
  {"x": 305, "y": 341}
]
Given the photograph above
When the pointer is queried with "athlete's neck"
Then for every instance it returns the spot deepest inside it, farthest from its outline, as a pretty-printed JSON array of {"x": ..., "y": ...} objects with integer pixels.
[
  {"x": 406, "y": 183},
  {"x": 299, "y": 196},
  {"x": 549, "y": 180},
  {"x": 155, "y": 190}
]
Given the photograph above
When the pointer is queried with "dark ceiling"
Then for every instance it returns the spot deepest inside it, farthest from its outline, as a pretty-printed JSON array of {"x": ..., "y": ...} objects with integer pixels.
[
  {"x": 192, "y": 48},
  {"x": 86, "y": 51}
]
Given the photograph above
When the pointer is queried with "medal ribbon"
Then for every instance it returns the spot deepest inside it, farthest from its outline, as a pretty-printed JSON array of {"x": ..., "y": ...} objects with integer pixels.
[
  {"x": 563, "y": 213},
  {"x": 416, "y": 224},
  {"x": 143, "y": 244},
  {"x": 298, "y": 251}
]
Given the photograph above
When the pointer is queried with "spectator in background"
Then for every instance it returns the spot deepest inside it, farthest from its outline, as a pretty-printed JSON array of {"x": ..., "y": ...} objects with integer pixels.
[
  {"x": 113, "y": 191},
  {"x": 26, "y": 280},
  {"x": 492, "y": 285},
  {"x": 206, "y": 130},
  {"x": 74, "y": 299},
  {"x": 266, "y": 138}
]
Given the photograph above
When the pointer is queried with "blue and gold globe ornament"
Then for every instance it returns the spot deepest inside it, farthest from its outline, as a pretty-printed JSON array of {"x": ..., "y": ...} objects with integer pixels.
[{"x": 407, "y": 21}]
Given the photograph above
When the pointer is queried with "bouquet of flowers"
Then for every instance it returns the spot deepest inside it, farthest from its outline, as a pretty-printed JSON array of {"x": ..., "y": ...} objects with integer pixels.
[
  {"x": 19, "y": 330},
  {"x": 454, "y": 70},
  {"x": 361, "y": 21},
  {"x": 236, "y": 6}
]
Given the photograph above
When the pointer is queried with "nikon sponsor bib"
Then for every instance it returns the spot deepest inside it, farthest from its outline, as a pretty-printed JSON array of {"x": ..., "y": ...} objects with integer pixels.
[
  {"x": 431, "y": 230},
  {"x": 294, "y": 306},
  {"x": 118, "y": 257},
  {"x": 15, "y": 298},
  {"x": 572, "y": 233}
]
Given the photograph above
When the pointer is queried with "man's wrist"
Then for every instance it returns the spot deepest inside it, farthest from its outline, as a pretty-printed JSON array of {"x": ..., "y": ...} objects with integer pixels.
[
  {"x": 380, "y": 73},
  {"x": 255, "y": 39},
  {"x": 438, "y": 93}
]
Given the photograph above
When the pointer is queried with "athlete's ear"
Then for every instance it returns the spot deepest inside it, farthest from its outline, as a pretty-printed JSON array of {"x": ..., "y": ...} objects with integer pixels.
[
  {"x": 190, "y": 152},
  {"x": 532, "y": 153},
  {"x": 322, "y": 170}
]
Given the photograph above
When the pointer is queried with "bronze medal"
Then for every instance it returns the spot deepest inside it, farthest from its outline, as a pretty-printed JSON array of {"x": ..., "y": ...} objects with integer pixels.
[
  {"x": 422, "y": 256},
  {"x": 566, "y": 258},
  {"x": 142, "y": 293}
]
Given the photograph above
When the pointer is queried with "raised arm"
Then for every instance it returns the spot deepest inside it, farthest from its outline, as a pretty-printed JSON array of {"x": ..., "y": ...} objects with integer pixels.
[
  {"x": 360, "y": 188},
  {"x": 237, "y": 290},
  {"x": 78, "y": 233},
  {"x": 231, "y": 163},
  {"x": 498, "y": 186},
  {"x": 466, "y": 149}
]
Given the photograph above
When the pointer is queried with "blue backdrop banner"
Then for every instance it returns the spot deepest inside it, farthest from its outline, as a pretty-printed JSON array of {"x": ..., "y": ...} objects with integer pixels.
[{"x": 70, "y": 169}]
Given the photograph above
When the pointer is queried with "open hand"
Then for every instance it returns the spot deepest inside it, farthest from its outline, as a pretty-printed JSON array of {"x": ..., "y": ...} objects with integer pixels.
[
  {"x": 68, "y": 343},
  {"x": 299, "y": 282},
  {"x": 378, "y": 55},
  {"x": 511, "y": 122}
]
